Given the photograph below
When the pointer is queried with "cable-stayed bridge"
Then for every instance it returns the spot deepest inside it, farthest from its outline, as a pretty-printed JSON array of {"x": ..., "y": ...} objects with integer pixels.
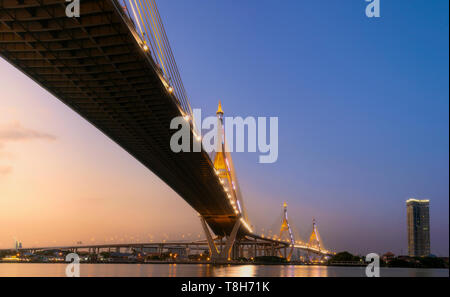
[{"x": 113, "y": 65}]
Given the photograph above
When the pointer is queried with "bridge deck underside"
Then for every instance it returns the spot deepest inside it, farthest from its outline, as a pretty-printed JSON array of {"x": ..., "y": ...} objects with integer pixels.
[{"x": 95, "y": 66}]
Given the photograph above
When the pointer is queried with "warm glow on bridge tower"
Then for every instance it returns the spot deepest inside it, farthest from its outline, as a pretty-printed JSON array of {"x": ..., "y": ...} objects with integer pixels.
[
  {"x": 219, "y": 109},
  {"x": 286, "y": 231},
  {"x": 314, "y": 239},
  {"x": 223, "y": 164}
]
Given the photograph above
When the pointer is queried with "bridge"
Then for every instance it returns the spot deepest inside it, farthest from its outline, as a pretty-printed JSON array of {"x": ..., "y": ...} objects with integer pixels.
[{"x": 113, "y": 65}]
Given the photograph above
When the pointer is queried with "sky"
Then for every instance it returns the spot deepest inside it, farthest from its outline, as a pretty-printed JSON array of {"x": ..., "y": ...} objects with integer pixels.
[{"x": 363, "y": 114}]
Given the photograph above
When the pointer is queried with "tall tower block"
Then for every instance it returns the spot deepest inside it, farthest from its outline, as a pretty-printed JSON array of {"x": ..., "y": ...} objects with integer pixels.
[{"x": 418, "y": 220}]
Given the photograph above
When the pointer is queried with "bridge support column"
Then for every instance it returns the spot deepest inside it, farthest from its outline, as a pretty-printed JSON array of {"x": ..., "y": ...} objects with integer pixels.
[
  {"x": 214, "y": 253},
  {"x": 224, "y": 254}
]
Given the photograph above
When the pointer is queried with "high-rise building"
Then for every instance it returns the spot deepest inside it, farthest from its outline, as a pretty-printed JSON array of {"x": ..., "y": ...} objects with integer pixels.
[
  {"x": 418, "y": 220},
  {"x": 18, "y": 245}
]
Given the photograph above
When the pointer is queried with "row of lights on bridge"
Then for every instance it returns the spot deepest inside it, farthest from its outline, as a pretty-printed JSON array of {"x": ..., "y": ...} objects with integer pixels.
[
  {"x": 230, "y": 198},
  {"x": 297, "y": 243},
  {"x": 188, "y": 118},
  {"x": 145, "y": 47},
  {"x": 170, "y": 89},
  {"x": 233, "y": 203}
]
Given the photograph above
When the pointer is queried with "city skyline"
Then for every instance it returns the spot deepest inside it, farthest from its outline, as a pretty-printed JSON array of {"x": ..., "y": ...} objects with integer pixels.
[{"x": 350, "y": 155}]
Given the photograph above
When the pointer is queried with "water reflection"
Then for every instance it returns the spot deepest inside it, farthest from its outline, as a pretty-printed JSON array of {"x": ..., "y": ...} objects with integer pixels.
[
  {"x": 202, "y": 270},
  {"x": 235, "y": 271},
  {"x": 271, "y": 270}
]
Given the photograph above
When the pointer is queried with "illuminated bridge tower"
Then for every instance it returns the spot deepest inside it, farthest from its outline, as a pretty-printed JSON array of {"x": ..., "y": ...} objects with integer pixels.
[
  {"x": 286, "y": 233},
  {"x": 223, "y": 165},
  {"x": 314, "y": 239},
  {"x": 219, "y": 160}
]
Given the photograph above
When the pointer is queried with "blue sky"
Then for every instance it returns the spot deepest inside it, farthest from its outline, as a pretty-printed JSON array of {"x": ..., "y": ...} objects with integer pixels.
[{"x": 362, "y": 106}]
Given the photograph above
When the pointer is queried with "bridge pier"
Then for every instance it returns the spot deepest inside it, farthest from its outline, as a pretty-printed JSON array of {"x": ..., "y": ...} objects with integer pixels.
[{"x": 224, "y": 254}]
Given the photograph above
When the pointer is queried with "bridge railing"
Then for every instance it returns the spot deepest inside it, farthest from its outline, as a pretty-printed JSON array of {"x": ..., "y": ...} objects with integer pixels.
[{"x": 145, "y": 17}]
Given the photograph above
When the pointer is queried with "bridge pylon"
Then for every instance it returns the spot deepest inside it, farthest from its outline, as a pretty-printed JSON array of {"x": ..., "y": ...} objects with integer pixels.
[
  {"x": 314, "y": 239},
  {"x": 224, "y": 168},
  {"x": 286, "y": 229}
]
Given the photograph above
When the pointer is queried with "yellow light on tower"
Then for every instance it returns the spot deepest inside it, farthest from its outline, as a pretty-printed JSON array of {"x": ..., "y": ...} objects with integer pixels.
[{"x": 170, "y": 89}]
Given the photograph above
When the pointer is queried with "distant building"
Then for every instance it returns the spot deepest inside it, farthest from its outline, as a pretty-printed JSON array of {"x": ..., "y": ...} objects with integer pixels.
[
  {"x": 418, "y": 220},
  {"x": 18, "y": 245},
  {"x": 389, "y": 256},
  {"x": 180, "y": 251}
]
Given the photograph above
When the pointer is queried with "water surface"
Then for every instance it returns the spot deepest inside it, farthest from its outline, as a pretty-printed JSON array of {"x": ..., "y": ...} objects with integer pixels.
[{"x": 204, "y": 270}]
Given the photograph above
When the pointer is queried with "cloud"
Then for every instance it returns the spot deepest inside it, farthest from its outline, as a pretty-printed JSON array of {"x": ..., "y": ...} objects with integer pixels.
[
  {"x": 5, "y": 170},
  {"x": 16, "y": 132}
]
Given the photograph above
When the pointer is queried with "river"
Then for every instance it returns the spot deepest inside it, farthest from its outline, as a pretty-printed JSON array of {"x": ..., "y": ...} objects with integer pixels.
[{"x": 205, "y": 270}]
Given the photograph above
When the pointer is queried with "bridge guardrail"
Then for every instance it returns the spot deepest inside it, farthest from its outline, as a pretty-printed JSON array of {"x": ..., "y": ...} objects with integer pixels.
[{"x": 146, "y": 20}]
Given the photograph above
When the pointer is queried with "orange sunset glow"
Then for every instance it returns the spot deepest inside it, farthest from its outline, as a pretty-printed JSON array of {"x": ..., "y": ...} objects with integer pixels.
[{"x": 62, "y": 180}]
